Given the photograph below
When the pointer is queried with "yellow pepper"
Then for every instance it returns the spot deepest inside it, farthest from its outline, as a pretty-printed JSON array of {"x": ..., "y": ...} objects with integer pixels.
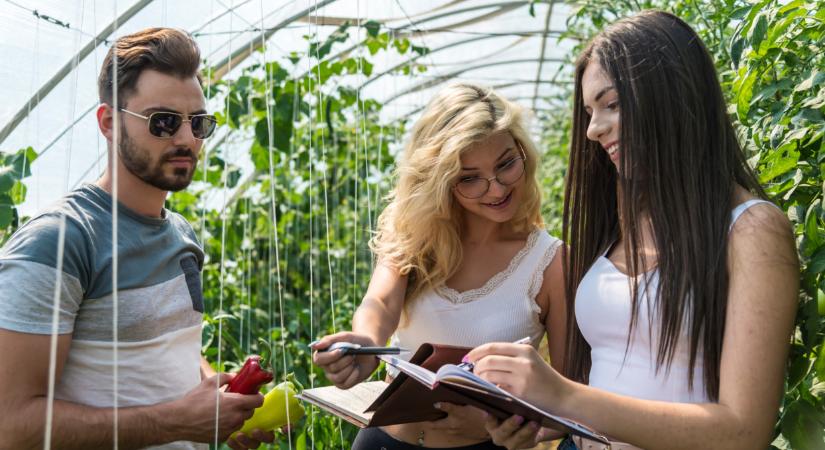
[{"x": 273, "y": 413}]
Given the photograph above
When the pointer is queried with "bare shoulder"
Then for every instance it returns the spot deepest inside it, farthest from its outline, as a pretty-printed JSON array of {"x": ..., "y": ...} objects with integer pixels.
[
  {"x": 553, "y": 271},
  {"x": 762, "y": 256},
  {"x": 762, "y": 226},
  {"x": 552, "y": 286}
]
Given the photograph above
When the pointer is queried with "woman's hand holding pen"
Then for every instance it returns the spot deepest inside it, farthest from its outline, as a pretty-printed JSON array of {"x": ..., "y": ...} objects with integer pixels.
[
  {"x": 345, "y": 371},
  {"x": 520, "y": 370}
]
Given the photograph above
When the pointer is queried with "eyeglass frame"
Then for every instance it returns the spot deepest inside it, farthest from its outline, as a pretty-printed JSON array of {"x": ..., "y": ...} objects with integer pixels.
[
  {"x": 183, "y": 120},
  {"x": 495, "y": 177}
]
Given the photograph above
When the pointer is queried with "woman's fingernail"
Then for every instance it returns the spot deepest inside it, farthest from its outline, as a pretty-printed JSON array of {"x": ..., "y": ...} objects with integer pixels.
[
  {"x": 437, "y": 405},
  {"x": 519, "y": 420},
  {"x": 465, "y": 359},
  {"x": 314, "y": 342}
]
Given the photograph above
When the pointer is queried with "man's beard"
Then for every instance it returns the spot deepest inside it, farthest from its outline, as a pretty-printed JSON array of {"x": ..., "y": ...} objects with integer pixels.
[{"x": 139, "y": 162}]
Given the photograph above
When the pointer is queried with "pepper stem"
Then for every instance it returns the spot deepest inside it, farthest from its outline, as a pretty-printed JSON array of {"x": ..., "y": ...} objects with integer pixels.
[{"x": 266, "y": 353}]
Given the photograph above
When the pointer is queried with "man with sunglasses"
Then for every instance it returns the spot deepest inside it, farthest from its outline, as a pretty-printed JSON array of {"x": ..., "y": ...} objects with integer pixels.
[{"x": 126, "y": 365}]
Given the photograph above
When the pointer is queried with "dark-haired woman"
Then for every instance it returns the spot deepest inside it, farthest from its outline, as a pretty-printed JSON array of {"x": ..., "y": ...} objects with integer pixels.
[{"x": 682, "y": 280}]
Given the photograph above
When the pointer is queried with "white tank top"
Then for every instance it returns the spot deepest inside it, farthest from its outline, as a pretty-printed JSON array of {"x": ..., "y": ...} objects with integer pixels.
[
  {"x": 503, "y": 310},
  {"x": 603, "y": 314}
]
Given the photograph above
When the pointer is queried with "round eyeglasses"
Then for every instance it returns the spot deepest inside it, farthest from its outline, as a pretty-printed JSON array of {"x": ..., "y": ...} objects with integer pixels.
[
  {"x": 165, "y": 124},
  {"x": 507, "y": 172}
]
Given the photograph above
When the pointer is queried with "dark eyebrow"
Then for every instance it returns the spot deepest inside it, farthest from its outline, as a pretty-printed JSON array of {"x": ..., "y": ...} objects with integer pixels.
[
  {"x": 602, "y": 92},
  {"x": 506, "y": 150}
]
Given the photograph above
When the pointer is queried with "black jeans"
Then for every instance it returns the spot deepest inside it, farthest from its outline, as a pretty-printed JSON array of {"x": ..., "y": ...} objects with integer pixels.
[{"x": 376, "y": 439}]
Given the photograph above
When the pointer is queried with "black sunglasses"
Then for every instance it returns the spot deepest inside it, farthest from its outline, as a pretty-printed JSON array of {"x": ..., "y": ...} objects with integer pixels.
[{"x": 164, "y": 124}]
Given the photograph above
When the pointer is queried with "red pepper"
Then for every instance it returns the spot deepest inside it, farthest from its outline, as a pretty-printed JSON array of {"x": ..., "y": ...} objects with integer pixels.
[{"x": 250, "y": 378}]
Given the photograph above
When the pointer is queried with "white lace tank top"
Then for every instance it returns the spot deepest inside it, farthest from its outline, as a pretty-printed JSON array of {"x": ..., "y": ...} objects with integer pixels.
[
  {"x": 503, "y": 310},
  {"x": 603, "y": 314}
]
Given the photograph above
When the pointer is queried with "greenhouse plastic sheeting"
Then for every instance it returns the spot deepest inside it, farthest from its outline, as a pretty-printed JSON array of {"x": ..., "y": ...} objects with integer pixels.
[{"x": 52, "y": 51}]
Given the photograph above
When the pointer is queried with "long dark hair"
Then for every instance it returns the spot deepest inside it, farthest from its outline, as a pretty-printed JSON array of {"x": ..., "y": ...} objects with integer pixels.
[{"x": 680, "y": 163}]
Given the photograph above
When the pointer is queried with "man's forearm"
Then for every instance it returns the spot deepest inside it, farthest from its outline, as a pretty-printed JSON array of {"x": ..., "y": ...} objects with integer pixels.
[{"x": 77, "y": 426}]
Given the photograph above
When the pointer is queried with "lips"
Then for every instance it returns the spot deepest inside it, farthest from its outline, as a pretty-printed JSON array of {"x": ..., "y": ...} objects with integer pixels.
[
  {"x": 612, "y": 150},
  {"x": 181, "y": 161},
  {"x": 501, "y": 204}
]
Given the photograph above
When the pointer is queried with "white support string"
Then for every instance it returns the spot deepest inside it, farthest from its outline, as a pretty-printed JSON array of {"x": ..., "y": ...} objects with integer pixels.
[
  {"x": 222, "y": 264},
  {"x": 330, "y": 281},
  {"x": 311, "y": 228},
  {"x": 35, "y": 72},
  {"x": 205, "y": 157},
  {"x": 361, "y": 119},
  {"x": 61, "y": 240},
  {"x": 355, "y": 220},
  {"x": 73, "y": 97},
  {"x": 96, "y": 64},
  {"x": 58, "y": 286},
  {"x": 115, "y": 197},
  {"x": 274, "y": 220}
]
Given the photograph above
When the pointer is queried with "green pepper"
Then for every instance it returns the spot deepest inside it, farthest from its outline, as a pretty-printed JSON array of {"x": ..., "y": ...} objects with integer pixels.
[{"x": 273, "y": 413}]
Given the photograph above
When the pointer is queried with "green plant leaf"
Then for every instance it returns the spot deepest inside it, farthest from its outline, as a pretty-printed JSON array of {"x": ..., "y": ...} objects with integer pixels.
[
  {"x": 820, "y": 305},
  {"x": 779, "y": 162},
  {"x": 6, "y": 215},
  {"x": 18, "y": 193},
  {"x": 758, "y": 32},
  {"x": 771, "y": 89},
  {"x": 402, "y": 45},
  {"x": 740, "y": 12},
  {"x": 372, "y": 27},
  {"x": 814, "y": 80},
  {"x": 7, "y": 178},
  {"x": 420, "y": 50},
  {"x": 817, "y": 262},
  {"x": 819, "y": 365},
  {"x": 798, "y": 371},
  {"x": 745, "y": 94},
  {"x": 802, "y": 425}
]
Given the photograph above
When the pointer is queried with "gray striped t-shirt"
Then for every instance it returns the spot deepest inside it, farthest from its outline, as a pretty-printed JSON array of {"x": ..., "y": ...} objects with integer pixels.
[{"x": 160, "y": 304}]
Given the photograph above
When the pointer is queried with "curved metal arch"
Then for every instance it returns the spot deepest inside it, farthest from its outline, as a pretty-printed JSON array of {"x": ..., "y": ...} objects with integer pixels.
[
  {"x": 66, "y": 69},
  {"x": 436, "y": 50},
  {"x": 495, "y": 86},
  {"x": 93, "y": 105},
  {"x": 441, "y": 78},
  {"x": 503, "y": 7},
  {"x": 213, "y": 19},
  {"x": 257, "y": 42}
]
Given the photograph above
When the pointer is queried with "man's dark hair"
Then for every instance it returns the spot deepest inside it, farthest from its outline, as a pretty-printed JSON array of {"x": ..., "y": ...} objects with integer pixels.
[{"x": 166, "y": 50}]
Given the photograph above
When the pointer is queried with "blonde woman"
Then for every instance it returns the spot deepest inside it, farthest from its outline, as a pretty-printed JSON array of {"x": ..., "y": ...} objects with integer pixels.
[{"x": 462, "y": 257}]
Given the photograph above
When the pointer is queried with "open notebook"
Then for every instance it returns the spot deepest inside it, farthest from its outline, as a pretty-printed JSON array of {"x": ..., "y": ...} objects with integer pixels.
[{"x": 430, "y": 376}]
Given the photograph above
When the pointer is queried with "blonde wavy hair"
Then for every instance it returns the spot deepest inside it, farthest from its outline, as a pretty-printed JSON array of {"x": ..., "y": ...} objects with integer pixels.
[{"x": 418, "y": 231}]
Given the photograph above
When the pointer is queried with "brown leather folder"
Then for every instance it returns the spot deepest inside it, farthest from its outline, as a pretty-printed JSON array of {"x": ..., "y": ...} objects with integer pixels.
[{"x": 406, "y": 400}]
